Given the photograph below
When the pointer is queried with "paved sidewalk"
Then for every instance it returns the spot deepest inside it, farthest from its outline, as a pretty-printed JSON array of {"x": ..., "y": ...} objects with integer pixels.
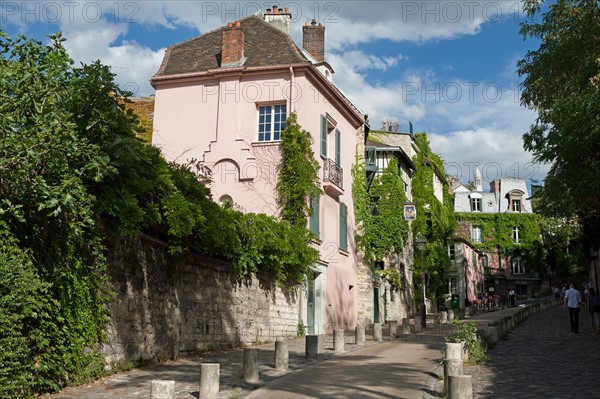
[
  {"x": 542, "y": 359},
  {"x": 404, "y": 367}
]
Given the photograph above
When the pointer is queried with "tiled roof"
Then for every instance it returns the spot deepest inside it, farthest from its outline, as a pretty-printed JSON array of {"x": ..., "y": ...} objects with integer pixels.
[{"x": 264, "y": 45}]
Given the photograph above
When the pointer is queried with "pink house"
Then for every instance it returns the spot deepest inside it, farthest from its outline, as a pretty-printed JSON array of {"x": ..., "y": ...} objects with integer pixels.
[{"x": 222, "y": 98}]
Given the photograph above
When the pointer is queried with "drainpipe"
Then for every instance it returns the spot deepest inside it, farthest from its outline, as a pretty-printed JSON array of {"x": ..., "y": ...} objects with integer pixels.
[{"x": 291, "y": 98}]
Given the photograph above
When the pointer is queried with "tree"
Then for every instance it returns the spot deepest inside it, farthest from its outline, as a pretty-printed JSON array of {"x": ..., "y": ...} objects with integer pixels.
[{"x": 562, "y": 84}]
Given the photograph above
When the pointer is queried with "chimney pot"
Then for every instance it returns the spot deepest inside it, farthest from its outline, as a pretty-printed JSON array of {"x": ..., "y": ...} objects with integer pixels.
[
  {"x": 268, "y": 10},
  {"x": 238, "y": 24},
  {"x": 230, "y": 24},
  {"x": 287, "y": 11},
  {"x": 275, "y": 9},
  {"x": 313, "y": 22},
  {"x": 280, "y": 10}
]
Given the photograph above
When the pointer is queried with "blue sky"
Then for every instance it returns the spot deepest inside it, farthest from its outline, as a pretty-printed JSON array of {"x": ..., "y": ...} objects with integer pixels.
[{"x": 446, "y": 66}]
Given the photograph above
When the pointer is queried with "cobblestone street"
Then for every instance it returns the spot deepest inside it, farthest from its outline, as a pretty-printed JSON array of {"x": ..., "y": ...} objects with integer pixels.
[{"x": 542, "y": 359}]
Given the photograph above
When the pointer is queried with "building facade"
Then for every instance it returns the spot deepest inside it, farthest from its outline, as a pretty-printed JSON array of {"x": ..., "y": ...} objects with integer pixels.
[
  {"x": 222, "y": 99},
  {"x": 489, "y": 222}
]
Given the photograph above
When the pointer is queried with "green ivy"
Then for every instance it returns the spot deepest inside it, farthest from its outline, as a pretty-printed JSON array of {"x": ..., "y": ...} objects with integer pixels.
[
  {"x": 384, "y": 229},
  {"x": 298, "y": 173},
  {"x": 435, "y": 221}
]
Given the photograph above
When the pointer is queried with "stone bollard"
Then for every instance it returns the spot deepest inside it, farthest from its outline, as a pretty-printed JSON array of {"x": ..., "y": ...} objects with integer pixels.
[
  {"x": 491, "y": 333},
  {"x": 393, "y": 328},
  {"x": 311, "y": 346},
  {"x": 452, "y": 367},
  {"x": 453, "y": 351},
  {"x": 338, "y": 341},
  {"x": 377, "y": 333},
  {"x": 444, "y": 318},
  {"x": 162, "y": 389},
  {"x": 460, "y": 387},
  {"x": 209, "y": 380},
  {"x": 450, "y": 315},
  {"x": 282, "y": 355},
  {"x": 251, "y": 365},
  {"x": 437, "y": 318},
  {"x": 405, "y": 326},
  {"x": 359, "y": 335},
  {"x": 418, "y": 324}
]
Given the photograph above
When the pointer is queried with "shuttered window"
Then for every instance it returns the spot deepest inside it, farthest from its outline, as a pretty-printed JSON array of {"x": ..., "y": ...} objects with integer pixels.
[
  {"x": 343, "y": 227},
  {"x": 323, "y": 136},
  {"x": 313, "y": 221},
  {"x": 338, "y": 151}
]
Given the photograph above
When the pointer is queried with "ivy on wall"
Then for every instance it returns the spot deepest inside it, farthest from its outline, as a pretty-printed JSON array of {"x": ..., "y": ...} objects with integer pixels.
[
  {"x": 435, "y": 221},
  {"x": 298, "y": 173},
  {"x": 382, "y": 230}
]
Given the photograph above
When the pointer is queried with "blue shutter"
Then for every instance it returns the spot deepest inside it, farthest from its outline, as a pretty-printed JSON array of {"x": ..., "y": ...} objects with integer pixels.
[
  {"x": 323, "y": 136},
  {"x": 338, "y": 153},
  {"x": 343, "y": 227},
  {"x": 313, "y": 221}
]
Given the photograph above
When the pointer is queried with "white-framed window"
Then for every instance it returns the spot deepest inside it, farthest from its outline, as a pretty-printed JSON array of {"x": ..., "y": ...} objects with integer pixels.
[
  {"x": 516, "y": 205},
  {"x": 518, "y": 266},
  {"x": 452, "y": 285},
  {"x": 515, "y": 234},
  {"x": 271, "y": 122},
  {"x": 451, "y": 252},
  {"x": 476, "y": 235},
  {"x": 475, "y": 204}
]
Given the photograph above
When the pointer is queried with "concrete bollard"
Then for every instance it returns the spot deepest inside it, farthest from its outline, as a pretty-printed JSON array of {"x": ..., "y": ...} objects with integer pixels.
[
  {"x": 377, "y": 333},
  {"x": 251, "y": 365},
  {"x": 282, "y": 355},
  {"x": 359, "y": 335},
  {"x": 452, "y": 367},
  {"x": 311, "y": 346},
  {"x": 492, "y": 334},
  {"x": 418, "y": 324},
  {"x": 460, "y": 387},
  {"x": 162, "y": 389},
  {"x": 338, "y": 341},
  {"x": 405, "y": 326},
  {"x": 453, "y": 351},
  {"x": 209, "y": 380},
  {"x": 450, "y": 315},
  {"x": 444, "y": 317},
  {"x": 393, "y": 328}
]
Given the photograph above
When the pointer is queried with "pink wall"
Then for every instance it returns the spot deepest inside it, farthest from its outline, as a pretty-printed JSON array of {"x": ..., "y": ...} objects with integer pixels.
[{"x": 214, "y": 120}]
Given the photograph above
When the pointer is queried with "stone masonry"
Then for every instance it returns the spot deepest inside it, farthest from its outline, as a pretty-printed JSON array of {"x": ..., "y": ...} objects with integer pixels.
[{"x": 169, "y": 305}]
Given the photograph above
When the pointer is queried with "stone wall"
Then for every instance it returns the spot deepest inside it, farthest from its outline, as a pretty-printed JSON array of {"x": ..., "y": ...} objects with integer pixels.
[{"x": 170, "y": 305}]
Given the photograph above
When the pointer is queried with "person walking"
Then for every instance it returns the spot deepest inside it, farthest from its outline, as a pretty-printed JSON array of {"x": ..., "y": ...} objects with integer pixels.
[
  {"x": 593, "y": 305},
  {"x": 573, "y": 301}
]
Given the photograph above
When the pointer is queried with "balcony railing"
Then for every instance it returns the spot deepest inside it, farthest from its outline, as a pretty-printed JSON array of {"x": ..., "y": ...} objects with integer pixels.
[{"x": 333, "y": 173}]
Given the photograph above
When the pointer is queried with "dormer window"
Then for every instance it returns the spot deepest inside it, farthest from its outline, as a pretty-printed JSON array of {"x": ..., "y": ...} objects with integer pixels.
[
  {"x": 475, "y": 201},
  {"x": 515, "y": 201}
]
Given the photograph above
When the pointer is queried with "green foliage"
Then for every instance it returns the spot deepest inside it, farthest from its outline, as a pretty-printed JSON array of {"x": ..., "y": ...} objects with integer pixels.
[
  {"x": 392, "y": 276},
  {"x": 274, "y": 247},
  {"x": 24, "y": 304},
  {"x": 298, "y": 173},
  {"x": 466, "y": 333},
  {"x": 562, "y": 84},
  {"x": 382, "y": 232},
  {"x": 435, "y": 220}
]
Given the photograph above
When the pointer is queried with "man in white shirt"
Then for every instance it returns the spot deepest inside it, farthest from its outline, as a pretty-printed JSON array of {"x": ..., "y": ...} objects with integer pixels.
[{"x": 572, "y": 301}]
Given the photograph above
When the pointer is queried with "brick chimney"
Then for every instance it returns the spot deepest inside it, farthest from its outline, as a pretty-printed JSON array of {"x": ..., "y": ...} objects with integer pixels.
[
  {"x": 232, "y": 45},
  {"x": 495, "y": 186},
  {"x": 313, "y": 40},
  {"x": 279, "y": 18}
]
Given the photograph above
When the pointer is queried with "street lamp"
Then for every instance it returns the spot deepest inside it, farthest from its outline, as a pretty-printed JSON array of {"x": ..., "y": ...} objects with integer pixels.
[{"x": 421, "y": 242}]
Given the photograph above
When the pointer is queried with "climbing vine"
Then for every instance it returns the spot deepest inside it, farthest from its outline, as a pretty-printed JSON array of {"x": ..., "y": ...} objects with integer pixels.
[
  {"x": 380, "y": 213},
  {"x": 435, "y": 220},
  {"x": 298, "y": 173}
]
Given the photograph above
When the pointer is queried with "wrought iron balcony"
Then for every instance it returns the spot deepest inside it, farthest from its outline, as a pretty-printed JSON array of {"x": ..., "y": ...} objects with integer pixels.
[{"x": 333, "y": 178}]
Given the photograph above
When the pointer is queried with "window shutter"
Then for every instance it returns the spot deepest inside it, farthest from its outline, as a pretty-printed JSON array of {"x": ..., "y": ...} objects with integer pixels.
[
  {"x": 313, "y": 221},
  {"x": 323, "y": 136},
  {"x": 343, "y": 227},
  {"x": 338, "y": 141}
]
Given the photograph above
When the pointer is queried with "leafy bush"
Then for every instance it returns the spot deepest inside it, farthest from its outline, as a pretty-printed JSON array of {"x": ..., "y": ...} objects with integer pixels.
[{"x": 466, "y": 333}]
